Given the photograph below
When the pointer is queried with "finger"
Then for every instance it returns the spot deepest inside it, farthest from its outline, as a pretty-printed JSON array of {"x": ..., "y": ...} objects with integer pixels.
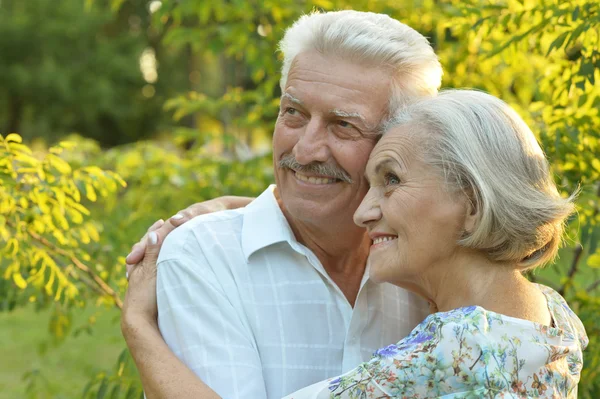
[
  {"x": 156, "y": 225},
  {"x": 165, "y": 230},
  {"x": 181, "y": 217},
  {"x": 137, "y": 252},
  {"x": 129, "y": 268},
  {"x": 153, "y": 245}
]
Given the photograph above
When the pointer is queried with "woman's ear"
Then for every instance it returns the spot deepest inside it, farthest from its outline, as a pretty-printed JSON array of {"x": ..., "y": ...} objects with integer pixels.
[{"x": 472, "y": 214}]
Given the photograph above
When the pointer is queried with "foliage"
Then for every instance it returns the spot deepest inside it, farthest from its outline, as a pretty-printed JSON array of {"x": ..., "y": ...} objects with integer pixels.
[
  {"x": 43, "y": 223},
  {"x": 70, "y": 67},
  {"x": 541, "y": 56},
  {"x": 554, "y": 44}
]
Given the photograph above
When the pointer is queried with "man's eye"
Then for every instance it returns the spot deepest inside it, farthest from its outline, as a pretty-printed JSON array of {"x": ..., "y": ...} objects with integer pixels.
[
  {"x": 345, "y": 124},
  {"x": 391, "y": 179},
  {"x": 291, "y": 111}
]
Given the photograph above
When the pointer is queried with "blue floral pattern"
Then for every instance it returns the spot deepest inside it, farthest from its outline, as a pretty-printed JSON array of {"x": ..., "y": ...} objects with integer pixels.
[{"x": 471, "y": 353}]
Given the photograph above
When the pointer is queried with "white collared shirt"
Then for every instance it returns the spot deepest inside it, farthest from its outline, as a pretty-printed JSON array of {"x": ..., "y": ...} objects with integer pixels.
[{"x": 253, "y": 313}]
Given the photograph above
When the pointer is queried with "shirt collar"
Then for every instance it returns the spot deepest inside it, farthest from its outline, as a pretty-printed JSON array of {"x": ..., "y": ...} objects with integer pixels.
[{"x": 264, "y": 224}]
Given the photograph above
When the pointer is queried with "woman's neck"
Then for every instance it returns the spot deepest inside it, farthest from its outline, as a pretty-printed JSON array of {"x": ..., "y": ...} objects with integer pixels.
[{"x": 473, "y": 280}]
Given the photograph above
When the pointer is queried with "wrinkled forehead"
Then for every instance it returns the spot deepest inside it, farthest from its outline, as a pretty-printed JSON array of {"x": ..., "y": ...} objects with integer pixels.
[
  {"x": 401, "y": 138},
  {"x": 399, "y": 143},
  {"x": 338, "y": 84}
]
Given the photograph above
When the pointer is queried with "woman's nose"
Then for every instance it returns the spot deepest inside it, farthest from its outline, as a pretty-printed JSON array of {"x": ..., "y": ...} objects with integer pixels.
[{"x": 368, "y": 211}]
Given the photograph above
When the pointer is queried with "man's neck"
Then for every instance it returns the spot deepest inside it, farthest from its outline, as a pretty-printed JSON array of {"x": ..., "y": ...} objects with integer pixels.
[
  {"x": 343, "y": 252},
  {"x": 341, "y": 246}
]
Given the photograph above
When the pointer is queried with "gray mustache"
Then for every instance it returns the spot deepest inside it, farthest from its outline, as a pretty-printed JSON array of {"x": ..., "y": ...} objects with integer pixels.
[{"x": 317, "y": 168}]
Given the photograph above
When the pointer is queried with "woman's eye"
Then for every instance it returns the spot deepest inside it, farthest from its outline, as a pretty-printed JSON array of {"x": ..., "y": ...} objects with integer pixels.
[{"x": 391, "y": 179}]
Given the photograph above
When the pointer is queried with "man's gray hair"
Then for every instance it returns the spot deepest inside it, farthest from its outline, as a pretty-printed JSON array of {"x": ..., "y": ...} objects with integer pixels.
[
  {"x": 486, "y": 151},
  {"x": 371, "y": 39}
]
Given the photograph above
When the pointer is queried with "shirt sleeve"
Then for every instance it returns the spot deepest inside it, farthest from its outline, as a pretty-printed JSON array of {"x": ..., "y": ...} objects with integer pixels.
[
  {"x": 202, "y": 327},
  {"x": 357, "y": 383}
]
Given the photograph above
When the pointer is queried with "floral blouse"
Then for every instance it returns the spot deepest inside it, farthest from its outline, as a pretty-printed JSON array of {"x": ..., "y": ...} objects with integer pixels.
[{"x": 471, "y": 352}]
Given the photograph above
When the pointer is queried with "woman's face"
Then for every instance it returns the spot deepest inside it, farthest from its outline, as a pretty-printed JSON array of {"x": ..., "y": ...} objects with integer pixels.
[{"x": 412, "y": 219}]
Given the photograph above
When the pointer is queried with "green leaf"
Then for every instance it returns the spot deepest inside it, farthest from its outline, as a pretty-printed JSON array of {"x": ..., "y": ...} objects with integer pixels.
[
  {"x": 19, "y": 280},
  {"x": 595, "y": 237},
  {"x": 131, "y": 392},
  {"x": 114, "y": 394},
  {"x": 575, "y": 14},
  {"x": 14, "y": 138},
  {"x": 558, "y": 42},
  {"x": 576, "y": 33},
  {"x": 103, "y": 388},
  {"x": 87, "y": 388},
  {"x": 594, "y": 261},
  {"x": 90, "y": 192}
]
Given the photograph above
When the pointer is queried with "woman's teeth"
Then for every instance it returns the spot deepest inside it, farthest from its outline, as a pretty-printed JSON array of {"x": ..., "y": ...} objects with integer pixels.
[
  {"x": 383, "y": 239},
  {"x": 314, "y": 180}
]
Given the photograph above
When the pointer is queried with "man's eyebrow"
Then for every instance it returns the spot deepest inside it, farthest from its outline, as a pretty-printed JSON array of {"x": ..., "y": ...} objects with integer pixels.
[
  {"x": 344, "y": 114},
  {"x": 291, "y": 98}
]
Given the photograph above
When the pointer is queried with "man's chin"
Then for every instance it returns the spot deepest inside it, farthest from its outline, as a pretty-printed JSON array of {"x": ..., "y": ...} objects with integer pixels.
[{"x": 315, "y": 209}]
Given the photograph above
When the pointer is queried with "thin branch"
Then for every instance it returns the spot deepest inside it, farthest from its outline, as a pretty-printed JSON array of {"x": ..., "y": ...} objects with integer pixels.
[
  {"x": 78, "y": 264},
  {"x": 576, "y": 258},
  {"x": 596, "y": 283},
  {"x": 101, "y": 284},
  {"x": 85, "y": 280},
  {"x": 573, "y": 269},
  {"x": 593, "y": 286}
]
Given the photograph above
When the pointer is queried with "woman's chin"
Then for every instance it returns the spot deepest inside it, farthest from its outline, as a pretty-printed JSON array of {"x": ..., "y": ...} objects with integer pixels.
[
  {"x": 382, "y": 270},
  {"x": 379, "y": 274}
]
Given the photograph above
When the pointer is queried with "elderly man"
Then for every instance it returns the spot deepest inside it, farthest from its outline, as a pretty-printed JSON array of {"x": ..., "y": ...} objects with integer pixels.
[{"x": 264, "y": 300}]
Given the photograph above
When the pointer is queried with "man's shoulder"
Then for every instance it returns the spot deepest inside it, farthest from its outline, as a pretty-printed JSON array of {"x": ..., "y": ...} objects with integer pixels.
[{"x": 214, "y": 227}]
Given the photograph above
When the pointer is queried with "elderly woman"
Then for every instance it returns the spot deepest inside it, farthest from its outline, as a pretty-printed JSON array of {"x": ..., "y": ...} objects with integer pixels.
[{"x": 461, "y": 203}]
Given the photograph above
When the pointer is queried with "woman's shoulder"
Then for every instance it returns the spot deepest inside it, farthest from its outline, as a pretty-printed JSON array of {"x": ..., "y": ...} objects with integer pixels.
[
  {"x": 563, "y": 317},
  {"x": 469, "y": 349},
  {"x": 465, "y": 352}
]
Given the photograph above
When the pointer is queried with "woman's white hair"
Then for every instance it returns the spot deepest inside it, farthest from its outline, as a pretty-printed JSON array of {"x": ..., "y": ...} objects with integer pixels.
[
  {"x": 372, "y": 39},
  {"x": 486, "y": 151}
]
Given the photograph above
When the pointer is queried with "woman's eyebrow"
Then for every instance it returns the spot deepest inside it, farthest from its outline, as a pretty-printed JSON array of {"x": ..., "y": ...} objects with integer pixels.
[
  {"x": 386, "y": 163},
  {"x": 374, "y": 171}
]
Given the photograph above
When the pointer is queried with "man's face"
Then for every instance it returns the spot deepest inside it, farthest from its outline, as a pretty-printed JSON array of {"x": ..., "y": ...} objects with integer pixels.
[{"x": 325, "y": 131}]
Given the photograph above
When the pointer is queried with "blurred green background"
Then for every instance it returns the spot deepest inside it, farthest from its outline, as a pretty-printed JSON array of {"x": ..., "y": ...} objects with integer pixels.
[{"x": 114, "y": 113}]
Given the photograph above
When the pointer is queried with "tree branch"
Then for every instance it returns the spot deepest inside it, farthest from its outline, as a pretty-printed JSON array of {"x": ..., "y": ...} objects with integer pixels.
[
  {"x": 81, "y": 266},
  {"x": 593, "y": 286},
  {"x": 573, "y": 269},
  {"x": 101, "y": 284}
]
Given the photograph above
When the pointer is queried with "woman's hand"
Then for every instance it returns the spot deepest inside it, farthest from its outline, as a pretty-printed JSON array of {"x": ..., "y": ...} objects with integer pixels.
[
  {"x": 214, "y": 205},
  {"x": 163, "y": 375},
  {"x": 139, "y": 308}
]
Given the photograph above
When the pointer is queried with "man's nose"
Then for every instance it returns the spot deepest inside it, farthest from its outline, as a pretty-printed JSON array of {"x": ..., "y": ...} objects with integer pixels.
[
  {"x": 312, "y": 145},
  {"x": 368, "y": 211}
]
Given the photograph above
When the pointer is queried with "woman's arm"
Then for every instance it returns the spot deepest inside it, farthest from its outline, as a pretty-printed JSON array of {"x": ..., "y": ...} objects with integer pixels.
[{"x": 163, "y": 375}]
